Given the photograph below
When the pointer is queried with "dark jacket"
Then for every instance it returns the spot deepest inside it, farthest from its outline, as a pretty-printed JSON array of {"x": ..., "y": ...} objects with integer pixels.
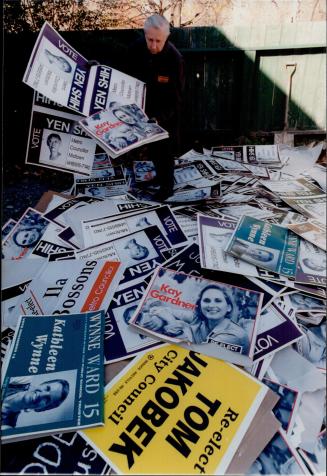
[{"x": 163, "y": 74}]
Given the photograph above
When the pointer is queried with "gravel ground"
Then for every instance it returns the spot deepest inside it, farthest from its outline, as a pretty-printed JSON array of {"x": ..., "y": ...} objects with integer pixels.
[{"x": 23, "y": 188}]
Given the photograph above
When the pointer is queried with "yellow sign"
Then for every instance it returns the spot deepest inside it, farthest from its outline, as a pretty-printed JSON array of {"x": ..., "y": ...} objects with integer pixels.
[{"x": 173, "y": 411}]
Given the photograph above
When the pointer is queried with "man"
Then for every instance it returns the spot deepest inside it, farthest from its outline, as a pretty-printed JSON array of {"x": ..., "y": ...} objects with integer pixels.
[
  {"x": 22, "y": 396},
  {"x": 155, "y": 60}
]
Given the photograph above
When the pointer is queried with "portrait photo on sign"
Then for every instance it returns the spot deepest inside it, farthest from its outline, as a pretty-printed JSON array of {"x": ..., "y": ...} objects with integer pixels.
[
  {"x": 314, "y": 264},
  {"x": 105, "y": 173},
  {"x": 196, "y": 310},
  {"x": 54, "y": 147},
  {"x": 39, "y": 399},
  {"x": 304, "y": 302},
  {"x": 256, "y": 254},
  {"x": 135, "y": 248},
  {"x": 313, "y": 344},
  {"x": 24, "y": 236},
  {"x": 186, "y": 174},
  {"x": 55, "y": 59},
  {"x": 101, "y": 161},
  {"x": 95, "y": 191}
]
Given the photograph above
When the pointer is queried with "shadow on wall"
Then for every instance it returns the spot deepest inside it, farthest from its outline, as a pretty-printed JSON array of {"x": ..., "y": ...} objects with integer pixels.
[{"x": 231, "y": 91}]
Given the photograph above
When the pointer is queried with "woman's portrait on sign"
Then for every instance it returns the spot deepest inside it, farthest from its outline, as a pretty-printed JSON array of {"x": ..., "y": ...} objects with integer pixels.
[{"x": 215, "y": 312}]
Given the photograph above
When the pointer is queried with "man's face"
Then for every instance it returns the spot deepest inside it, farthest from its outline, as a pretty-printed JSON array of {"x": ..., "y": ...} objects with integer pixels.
[
  {"x": 155, "y": 39},
  {"x": 40, "y": 397}
]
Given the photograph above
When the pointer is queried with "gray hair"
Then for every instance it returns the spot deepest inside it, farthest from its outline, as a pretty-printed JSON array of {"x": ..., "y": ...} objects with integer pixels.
[{"x": 157, "y": 21}]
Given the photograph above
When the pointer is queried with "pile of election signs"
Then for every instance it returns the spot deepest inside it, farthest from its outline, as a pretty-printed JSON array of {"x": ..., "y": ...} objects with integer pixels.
[{"x": 132, "y": 329}]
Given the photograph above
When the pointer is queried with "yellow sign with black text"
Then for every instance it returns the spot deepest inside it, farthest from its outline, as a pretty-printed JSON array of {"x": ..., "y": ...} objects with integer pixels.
[{"x": 174, "y": 411}]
